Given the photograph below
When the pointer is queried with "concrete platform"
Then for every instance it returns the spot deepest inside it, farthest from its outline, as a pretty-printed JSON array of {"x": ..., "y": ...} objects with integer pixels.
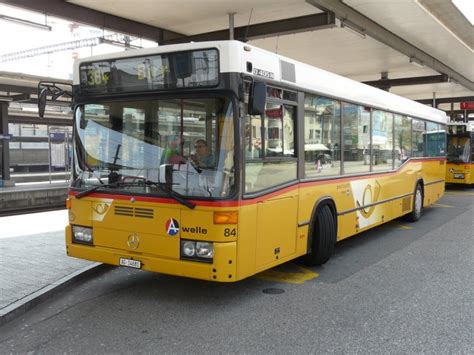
[
  {"x": 33, "y": 261},
  {"x": 32, "y": 196}
]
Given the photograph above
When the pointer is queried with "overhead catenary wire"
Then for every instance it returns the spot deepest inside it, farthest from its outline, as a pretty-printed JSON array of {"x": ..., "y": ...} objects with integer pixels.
[{"x": 248, "y": 25}]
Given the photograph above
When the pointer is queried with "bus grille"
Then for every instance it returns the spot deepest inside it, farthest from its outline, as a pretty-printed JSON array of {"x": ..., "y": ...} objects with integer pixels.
[
  {"x": 134, "y": 212},
  {"x": 144, "y": 212}
]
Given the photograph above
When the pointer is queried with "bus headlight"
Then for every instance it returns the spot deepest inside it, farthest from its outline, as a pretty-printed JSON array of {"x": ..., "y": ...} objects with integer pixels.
[
  {"x": 188, "y": 248},
  {"x": 82, "y": 234},
  {"x": 204, "y": 250},
  {"x": 195, "y": 250}
]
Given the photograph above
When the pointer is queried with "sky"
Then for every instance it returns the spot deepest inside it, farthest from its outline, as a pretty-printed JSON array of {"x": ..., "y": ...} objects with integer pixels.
[
  {"x": 56, "y": 65},
  {"x": 467, "y": 9}
]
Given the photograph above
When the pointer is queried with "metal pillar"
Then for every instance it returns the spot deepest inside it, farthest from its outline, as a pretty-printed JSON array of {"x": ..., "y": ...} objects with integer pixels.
[
  {"x": 49, "y": 152},
  {"x": 231, "y": 25},
  {"x": 5, "y": 140}
]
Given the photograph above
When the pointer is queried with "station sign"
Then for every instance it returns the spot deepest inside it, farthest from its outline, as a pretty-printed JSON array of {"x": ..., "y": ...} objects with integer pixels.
[{"x": 467, "y": 105}]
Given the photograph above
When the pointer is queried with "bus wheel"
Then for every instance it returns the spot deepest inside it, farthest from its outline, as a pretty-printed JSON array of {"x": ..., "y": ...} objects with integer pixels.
[
  {"x": 415, "y": 214},
  {"x": 323, "y": 238}
]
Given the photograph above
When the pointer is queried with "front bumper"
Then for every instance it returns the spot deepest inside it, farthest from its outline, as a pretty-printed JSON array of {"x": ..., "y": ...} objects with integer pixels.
[{"x": 222, "y": 269}]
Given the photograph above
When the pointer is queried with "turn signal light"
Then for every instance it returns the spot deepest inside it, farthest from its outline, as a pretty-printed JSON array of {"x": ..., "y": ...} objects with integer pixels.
[
  {"x": 68, "y": 203},
  {"x": 231, "y": 217}
]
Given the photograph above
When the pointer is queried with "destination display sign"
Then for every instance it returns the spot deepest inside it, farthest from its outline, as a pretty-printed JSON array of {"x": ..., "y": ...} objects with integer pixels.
[{"x": 191, "y": 69}]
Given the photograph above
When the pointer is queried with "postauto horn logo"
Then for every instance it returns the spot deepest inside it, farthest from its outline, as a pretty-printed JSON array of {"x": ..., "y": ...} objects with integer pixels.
[{"x": 172, "y": 227}]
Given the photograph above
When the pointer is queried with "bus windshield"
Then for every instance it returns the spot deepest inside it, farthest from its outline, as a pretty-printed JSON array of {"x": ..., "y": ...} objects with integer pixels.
[
  {"x": 458, "y": 149},
  {"x": 134, "y": 146}
]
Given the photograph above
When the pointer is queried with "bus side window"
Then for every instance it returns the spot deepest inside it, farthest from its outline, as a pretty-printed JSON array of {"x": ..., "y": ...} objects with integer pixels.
[
  {"x": 418, "y": 131},
  {"x": 322, "y": 136},
  {"x": 472, "y": 147},
  {"x": 356, "y": 143},
  {"x": 432, "y": 138},
  {"x": 402, "y": 139}
]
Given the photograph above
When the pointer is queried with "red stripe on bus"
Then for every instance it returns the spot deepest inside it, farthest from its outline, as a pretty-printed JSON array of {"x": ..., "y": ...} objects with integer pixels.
[{"x": 158, "y": 199}]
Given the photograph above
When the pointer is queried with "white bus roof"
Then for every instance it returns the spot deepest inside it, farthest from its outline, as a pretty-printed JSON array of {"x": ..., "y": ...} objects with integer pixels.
[{"x": 234, "y": 56}]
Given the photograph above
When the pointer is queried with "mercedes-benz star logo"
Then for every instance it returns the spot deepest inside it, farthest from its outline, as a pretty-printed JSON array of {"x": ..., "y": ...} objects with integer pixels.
[{"x": 133, "y": 241}]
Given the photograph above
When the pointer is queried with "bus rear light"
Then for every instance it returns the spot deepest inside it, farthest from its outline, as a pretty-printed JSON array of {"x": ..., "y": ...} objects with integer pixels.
[
  {"x": 68, "y": 203},
  {"x": 231, "y": 217}
]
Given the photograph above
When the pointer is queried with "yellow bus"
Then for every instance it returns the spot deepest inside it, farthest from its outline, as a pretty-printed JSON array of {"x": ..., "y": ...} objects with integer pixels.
[
  {"x": 460, "y": 151},
  {"x": 218, "y": 160}
]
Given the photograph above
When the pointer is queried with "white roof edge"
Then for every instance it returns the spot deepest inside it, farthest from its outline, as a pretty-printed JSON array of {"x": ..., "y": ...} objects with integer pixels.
[{"x": 327, "y": 83}]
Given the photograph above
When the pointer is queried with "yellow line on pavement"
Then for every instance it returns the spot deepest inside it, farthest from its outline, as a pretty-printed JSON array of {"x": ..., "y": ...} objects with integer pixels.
[
  {"x": 401, "y": 226},
  {"x": 288, "y": 277},
  {"x": 441, "y": 205}
]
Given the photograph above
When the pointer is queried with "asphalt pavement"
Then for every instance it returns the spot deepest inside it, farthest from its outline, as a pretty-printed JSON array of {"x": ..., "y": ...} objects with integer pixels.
[{"x": 399, "y": 288}]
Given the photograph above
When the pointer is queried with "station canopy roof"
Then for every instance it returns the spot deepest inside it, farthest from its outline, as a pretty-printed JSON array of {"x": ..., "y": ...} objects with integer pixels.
[{"x": 422, "y": 48}]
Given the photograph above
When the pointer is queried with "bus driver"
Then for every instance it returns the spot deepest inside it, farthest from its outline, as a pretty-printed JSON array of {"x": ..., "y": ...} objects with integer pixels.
[{"x": 202, "y": 157}]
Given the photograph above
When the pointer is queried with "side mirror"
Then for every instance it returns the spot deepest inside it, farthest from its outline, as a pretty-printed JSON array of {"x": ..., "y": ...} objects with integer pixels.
[
  {"x": 42, "y": 102},
  {"x": 257, "y": 98},
  {"x": 46, "y": 88}
]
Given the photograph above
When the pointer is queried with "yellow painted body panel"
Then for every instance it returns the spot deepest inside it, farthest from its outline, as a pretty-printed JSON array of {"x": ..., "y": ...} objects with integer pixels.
[
  {"x": 271, "y": 229},
  {"x": 464, "y": 173},
  {"x": 276, "y": 228},
  {"x": 393, "y": 192}
]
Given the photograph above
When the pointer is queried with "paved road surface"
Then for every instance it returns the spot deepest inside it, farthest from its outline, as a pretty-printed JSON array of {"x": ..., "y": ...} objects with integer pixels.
[{"x": 401, "y": 288}]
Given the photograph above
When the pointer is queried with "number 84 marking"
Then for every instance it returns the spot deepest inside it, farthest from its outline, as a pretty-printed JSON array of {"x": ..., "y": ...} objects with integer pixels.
[{"x": 230, "y": 232}]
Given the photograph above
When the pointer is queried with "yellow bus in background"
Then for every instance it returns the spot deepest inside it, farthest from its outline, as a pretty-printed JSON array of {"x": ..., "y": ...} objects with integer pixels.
[
  {"x": 218, "y": 160},
  {"x": 460, "y": 151}
]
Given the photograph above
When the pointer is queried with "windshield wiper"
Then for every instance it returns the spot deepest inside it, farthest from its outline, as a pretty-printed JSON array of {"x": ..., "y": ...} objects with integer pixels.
[{"x": 173, "y": 194}]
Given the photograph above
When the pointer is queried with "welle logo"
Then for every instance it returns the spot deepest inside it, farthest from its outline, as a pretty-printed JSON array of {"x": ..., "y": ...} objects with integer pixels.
[{"x": 172, "y": 227}]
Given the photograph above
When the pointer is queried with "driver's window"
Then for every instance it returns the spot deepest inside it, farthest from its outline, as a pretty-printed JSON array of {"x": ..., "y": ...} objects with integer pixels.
[{"x": 269, "y": 143}]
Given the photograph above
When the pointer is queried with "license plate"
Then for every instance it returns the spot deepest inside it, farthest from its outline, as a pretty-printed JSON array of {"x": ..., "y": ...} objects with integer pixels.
[
  {"x": 136, "y": 264},
  {"x": 459, "y": 176}
]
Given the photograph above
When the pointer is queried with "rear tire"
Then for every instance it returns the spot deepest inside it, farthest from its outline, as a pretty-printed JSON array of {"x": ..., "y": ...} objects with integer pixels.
[
  {"x": 415, "y": 214},
  {"x": 323, "y": 238}
]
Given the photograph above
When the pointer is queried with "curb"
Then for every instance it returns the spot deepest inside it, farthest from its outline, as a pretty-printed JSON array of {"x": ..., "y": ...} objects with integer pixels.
[{"x": 21, "y": 306}]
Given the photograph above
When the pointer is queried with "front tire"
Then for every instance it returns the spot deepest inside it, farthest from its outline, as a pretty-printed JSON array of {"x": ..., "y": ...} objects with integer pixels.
[
  {"x": 415, "y": 214},
  {"x": 323, "y": 238}
]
